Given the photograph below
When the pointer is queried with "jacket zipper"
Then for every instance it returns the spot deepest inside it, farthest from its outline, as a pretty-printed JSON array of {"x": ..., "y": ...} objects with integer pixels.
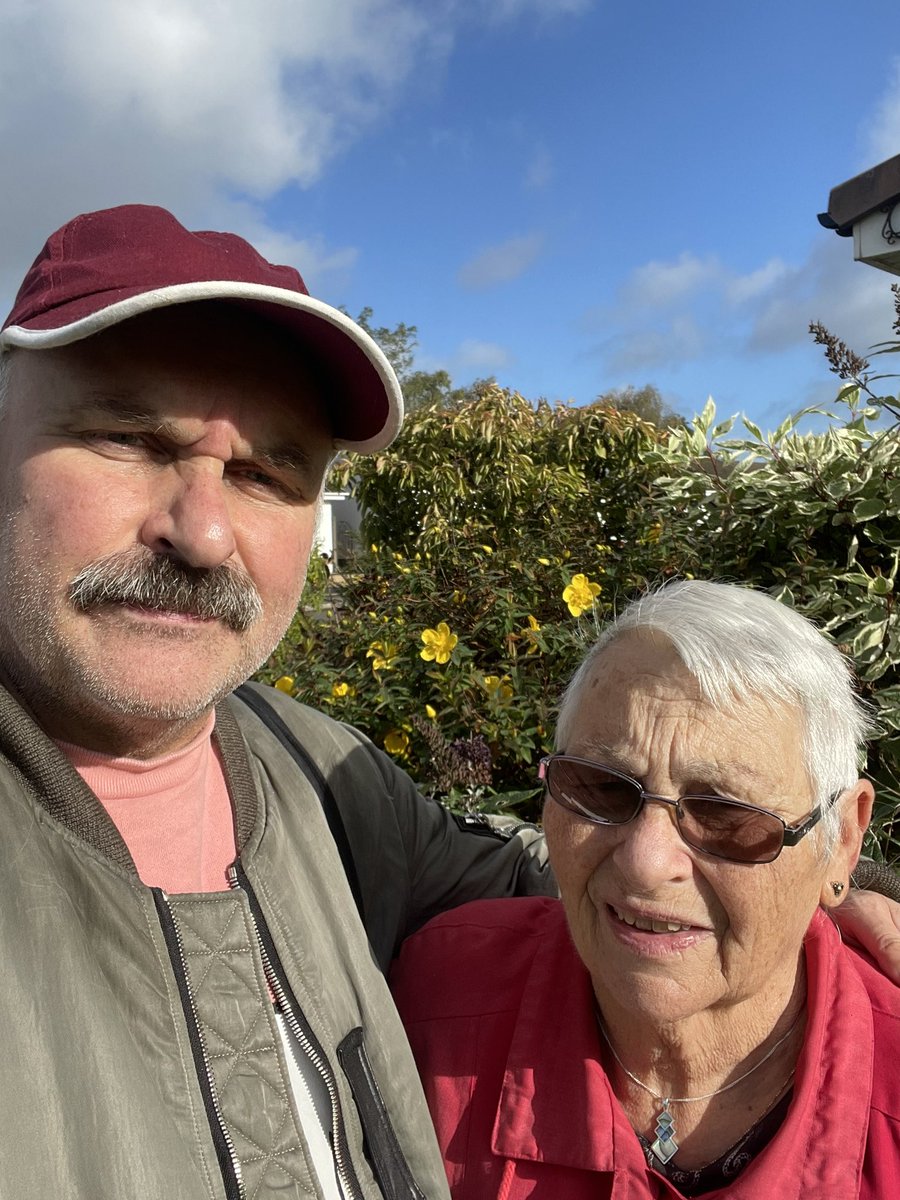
[
  {"x": 305, "y": 1037},
  {"x": 229, "y": 1163}
]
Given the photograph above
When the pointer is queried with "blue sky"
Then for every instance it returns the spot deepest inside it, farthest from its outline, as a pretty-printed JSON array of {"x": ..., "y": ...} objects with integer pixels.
[{"x": 571, "y": 195}]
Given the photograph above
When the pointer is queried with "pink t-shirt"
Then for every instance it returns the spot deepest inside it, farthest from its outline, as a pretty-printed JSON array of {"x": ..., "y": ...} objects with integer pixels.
[{"x": 174, "y": 812}]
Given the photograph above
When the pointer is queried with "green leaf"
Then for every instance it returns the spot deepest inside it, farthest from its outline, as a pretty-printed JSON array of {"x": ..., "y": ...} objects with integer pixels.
[
  {"x": 707, "y": 416},
  {"x": 868, "y": 637},
  {"x": 867, "y": 510}
]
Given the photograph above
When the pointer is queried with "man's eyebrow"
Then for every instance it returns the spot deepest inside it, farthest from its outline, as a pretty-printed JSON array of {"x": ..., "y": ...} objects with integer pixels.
[
  {"x": 123, "y": 409},
  {"x": 282, "y": 458}
]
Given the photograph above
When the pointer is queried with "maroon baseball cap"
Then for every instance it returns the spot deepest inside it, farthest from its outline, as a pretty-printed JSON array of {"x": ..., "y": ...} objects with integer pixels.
[{"x": 105, "y": 267}]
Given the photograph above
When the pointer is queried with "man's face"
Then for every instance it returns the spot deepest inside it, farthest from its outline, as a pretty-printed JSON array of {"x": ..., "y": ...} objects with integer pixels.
[{"x": 185, "y": 439}]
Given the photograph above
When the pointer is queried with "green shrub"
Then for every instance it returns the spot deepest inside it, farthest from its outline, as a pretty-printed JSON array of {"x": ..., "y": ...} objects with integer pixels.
[
  {"x": 815, "y": 519},
  {"x": 480, "y": 517},
  {"x": 450, "y": 641}
]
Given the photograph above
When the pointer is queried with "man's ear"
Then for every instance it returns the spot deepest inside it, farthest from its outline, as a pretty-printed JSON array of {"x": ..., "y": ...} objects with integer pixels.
[{"x": 856, "y": 813}]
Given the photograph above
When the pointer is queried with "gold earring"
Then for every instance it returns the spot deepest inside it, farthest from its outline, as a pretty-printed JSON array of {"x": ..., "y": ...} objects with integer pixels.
[{"x": 837, "y": 888}]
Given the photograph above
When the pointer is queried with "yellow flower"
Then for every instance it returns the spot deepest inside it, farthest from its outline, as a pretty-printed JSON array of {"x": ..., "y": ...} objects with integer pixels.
[
  {"x": 439, "y": 643},
  {"x": 430, "y": 713},
  {"x": 545, "y": 562},
  {"x": 488, "y": 549},
  {"x": 498, "y": 689},
  {"x": 383, "y": 655},
  {"x": 396, "y": 742},
  {"x": 529, "y": 632},
  {"x": 580, "y": 594},
  {"x": 340, "y": 690},
  {"x": 374, "y": 547},
  {"x": 285, "y": 684}
]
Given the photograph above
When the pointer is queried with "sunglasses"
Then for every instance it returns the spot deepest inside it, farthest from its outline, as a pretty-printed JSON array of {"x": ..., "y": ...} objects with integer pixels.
[{"x": 725, "y": 829}]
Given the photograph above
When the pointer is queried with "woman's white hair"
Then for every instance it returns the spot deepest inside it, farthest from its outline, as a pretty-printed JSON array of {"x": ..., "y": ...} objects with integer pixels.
[{"x": 742, "y": 645}]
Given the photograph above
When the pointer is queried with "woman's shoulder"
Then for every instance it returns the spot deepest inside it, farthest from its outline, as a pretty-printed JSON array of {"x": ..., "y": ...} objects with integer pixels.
[
  {"x": 884, "y": 1001},
  {"x": 882, "y": 1161},
  {"x": 503, "y": 924},
  {"x": 475, "y": 955}
]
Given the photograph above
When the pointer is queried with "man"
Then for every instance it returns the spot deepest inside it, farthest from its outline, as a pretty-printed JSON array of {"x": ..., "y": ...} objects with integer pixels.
[{"x": 193, "y": 1006}]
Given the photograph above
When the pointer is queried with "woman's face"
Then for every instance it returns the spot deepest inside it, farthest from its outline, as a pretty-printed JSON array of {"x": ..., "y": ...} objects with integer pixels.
[{"x": 667, "y": 931}]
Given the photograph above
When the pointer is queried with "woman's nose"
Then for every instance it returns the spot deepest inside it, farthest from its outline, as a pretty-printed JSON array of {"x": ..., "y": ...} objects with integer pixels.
[
  {"x": 190, "y": 518},
  {"x": 651, "y": 850}
]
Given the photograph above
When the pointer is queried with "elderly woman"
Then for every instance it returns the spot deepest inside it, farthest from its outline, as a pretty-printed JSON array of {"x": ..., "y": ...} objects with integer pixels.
[{"x": 688, "y": 1021}]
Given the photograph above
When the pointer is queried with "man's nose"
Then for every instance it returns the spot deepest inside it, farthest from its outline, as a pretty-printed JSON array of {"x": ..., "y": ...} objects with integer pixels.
[{"x": 189, "y": 516}]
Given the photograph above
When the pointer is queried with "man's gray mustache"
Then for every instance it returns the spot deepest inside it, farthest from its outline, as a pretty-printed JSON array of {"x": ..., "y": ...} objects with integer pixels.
[{"x": 162, "y": 584}]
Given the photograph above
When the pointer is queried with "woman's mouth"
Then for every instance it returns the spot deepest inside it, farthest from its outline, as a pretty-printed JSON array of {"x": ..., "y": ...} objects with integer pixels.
[
  {"x": 654, "y": 936},
  {"x": 650, "y": 924}
]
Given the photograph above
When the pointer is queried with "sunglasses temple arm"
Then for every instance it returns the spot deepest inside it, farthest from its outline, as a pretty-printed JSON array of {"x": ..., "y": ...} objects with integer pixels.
[{"x": 795, "y": 833}]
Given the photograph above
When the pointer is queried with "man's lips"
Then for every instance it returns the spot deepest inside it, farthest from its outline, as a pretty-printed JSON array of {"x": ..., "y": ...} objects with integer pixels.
[{"x": 161, "y": 614}]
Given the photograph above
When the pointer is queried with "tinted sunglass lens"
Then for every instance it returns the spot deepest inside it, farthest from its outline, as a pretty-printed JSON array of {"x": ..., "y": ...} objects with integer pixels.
[
  {"x": 582, "y": 787},
  {"x": 731, "y": 830}
]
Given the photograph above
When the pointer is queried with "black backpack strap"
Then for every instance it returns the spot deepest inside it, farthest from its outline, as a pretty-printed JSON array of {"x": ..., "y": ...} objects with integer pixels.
[{"x": 317, "y": 781}]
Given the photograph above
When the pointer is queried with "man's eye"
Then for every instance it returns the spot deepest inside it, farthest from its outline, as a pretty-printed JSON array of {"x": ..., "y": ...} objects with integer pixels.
[
  {"x": 116, "y": 437},
  {"x": 263, "y": 478},
  {"x": 260, "y": 480},
  {"x": 256, "y": 477}
]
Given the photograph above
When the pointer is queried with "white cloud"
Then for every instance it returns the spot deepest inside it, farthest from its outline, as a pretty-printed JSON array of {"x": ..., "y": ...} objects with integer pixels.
[
  {"x": 658, "y": 284},
  {"x": 501, "y": 263},
  {"x": 692, "y": 308},
  {"x": 170, "y": 102},
  {"x": 482, "y": 357},
  {"x": 204, "y": 109},
  {"x": 852, "y": 300},
  {"x": 540, "y": 169},
  {"x": 742, "y": 288},
  {"x": 542, "y": 8},
  {"x": 637, "y": 350},
  {"x": 884, "y": 132}
]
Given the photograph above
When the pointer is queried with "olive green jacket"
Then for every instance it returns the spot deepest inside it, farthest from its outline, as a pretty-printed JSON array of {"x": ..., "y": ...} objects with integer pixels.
[{"x": 140, "y": 1059}]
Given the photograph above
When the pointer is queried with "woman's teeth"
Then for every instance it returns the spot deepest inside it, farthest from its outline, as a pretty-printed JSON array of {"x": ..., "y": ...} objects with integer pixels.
[{"x": 649, "y": 925}]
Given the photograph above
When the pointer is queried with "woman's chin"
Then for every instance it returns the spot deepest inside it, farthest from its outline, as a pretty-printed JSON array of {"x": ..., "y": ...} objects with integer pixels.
[{"x": 660, "y": 976}]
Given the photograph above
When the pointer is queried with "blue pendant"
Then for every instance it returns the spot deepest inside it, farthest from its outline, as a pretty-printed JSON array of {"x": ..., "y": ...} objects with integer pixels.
[{"x": 665, "y": 1146}]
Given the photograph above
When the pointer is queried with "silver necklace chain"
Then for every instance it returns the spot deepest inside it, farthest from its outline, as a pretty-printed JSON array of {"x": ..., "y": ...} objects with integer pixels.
[{"x": 666, "y": 1100}]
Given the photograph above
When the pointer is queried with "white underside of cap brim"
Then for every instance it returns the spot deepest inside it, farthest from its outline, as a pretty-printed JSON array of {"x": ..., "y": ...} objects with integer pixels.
[{"x": 123, "y": 310}]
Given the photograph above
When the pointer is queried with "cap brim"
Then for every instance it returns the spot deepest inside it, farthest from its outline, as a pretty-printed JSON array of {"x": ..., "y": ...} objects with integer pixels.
[{"x": 362, "y": 392}]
